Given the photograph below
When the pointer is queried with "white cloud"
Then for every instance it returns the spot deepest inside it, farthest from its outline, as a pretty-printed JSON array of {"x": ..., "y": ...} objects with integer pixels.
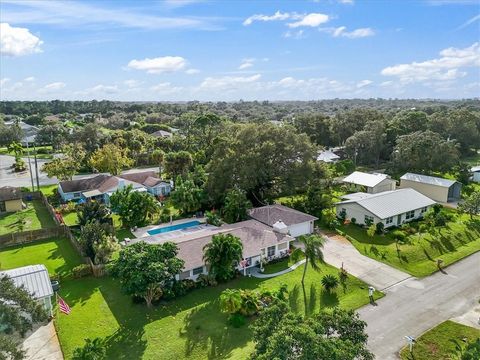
[
  {"x": 165, "y": 88},
  {"x": 446, "y": 67},
  {"x": 228, "y": 82},
  {"x": 246, "y": 63},
  {"x": 54, "y": 86},
  {"x": 363, "y": 83},
  {"x": 159, "y": 65},
  {"x": 312, "y": 20},
  {"x": 132, "y": 83},
  {"x": 469, "y": 22},
  {"x": 4, "y": 81},
  {"x": 17, "y": 41},
  {"x": 192, "y": 71},
  {"x": 106, "y": 89},
  {"x": 294, "y": 34},
  {"x": 349, "y": 2},
  {"x": 278, "y": 16},
  {"x": 342, "y": 32},
  {"x": 29, "y": 79}
]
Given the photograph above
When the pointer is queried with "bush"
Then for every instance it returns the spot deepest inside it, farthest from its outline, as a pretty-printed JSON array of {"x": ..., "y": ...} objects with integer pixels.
[
  {"x": 329, "y": 282},
  {"x": 380, "y": 227},
  {"x": 212, "y": 218},
  {"x": 236, "y": 320},
  {"x": 81, "y": 270},
  {"x": 43, "y": 151},
  {"x": 204, "y": 280},
  {"x": 398, "y": 235},
  {"x": 92, "y": 350},
  {"x": 353, "y": 221}
]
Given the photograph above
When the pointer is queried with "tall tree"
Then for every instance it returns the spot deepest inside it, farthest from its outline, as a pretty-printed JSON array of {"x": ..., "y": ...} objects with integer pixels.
[
  {"x": 145, "y": 270},
  {"x": 221, "y": 254},
  {"x": 93, "y": 211},
  {"x": 178, "y": 163},
  {"x": 471, "y": 205},
  {"x": 133, "y": 207},
  {"x": 187, "y": 196},
  {"x": 110, "y": 158},
  {"x": 236, "y": 206},
  {"x": 54, "y": 133},
  {"x": 98, "y": 242}
]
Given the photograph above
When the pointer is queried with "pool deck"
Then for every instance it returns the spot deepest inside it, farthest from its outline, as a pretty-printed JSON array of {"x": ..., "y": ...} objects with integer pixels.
[{"x": 143, "y": 232}]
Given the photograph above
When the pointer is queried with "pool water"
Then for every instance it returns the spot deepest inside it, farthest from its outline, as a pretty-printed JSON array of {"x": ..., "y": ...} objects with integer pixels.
[{"x": 173, "y": 227}]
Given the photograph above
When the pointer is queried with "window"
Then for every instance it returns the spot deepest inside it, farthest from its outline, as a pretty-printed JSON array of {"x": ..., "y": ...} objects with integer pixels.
[
  {"x": 271, "y": 251},
  {"x": 77, "y": 194},
  {"x": 424, "y": 209},
  {"x": 2, "y": 206},
  {"x": 389, "y": 220},
  {"x": 197, "y": 270},
  {"x": 410, "y": 214},
  {"x": 368, "y": 220}
]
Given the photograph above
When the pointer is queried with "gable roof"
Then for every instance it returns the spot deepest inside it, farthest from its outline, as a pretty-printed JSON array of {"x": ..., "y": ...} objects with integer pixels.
[
  {"x": 146, "y": 178},
  {"x": 365, "y": 179},
  {"x": 391, "y": 203},
  {"x": 475, "y": 168},
  {"x": 270, "y": 214},
  {"x": 430, "y": 180},
  {"x": 34, "y": 277},
  {"x": 327, "y": 156},
  {"x": 84, "y": 184},
  {"x": 10, "y": 193}
]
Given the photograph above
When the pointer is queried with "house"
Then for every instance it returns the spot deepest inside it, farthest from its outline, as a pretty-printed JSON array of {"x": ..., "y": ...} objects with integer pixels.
[
  {"x": 476, "y": 173},
  {"x": 10, "y": 199},
  {"x": 295, "y": 223},
  {"x": 162, "y": 134},
  {"x": 100, "y": 187},
  {"x": 438, "y": 189},
  {"x": 29, "y": 132},
  {"x": 392, "y": 208},
  {"x": 372, "y": 183},
  {"x": 259, "y": 241},
  {"x": 327, "y": 156},
  {"x": 36, "y": 281}
]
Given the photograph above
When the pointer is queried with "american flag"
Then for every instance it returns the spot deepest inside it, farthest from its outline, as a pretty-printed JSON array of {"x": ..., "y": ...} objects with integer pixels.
[{"x": 63, "y": 306}]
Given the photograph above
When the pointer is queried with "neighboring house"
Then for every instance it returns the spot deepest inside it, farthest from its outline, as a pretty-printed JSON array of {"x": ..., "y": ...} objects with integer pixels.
[
  {"x": 162, "y": 134},
  {"x": 476, "y": 173},
  {"x": 295, "y": 222},
  {"x": 29, "y": 132},
  {"x": 392, "y": 208},
  {"x": 373, "y": 183},
  {"x": 36, "y": 281},
  {"x": 10, "y": 199},
  {"x": 259, "y": 241},
  {"x": 438, "y": 189},
  {"x": 327, "y": 156},
  {"x": 102, "y": 186}
]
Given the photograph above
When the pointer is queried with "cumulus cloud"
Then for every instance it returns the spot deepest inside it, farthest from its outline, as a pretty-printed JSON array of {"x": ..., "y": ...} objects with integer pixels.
[
  {"x": 446, "y": 67},
  {"x": 311, "y": 20},
  {"x": 17, "y": 41},
  {"x": 341, "y": 31},
  {"x": 228, "y": 82},
  {"x": 159, "y": 65},
  {"x": 278, "y": 16}
]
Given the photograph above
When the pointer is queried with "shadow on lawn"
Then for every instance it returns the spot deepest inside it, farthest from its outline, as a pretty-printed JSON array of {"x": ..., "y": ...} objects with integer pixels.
[{"x": 42, "y": 214}]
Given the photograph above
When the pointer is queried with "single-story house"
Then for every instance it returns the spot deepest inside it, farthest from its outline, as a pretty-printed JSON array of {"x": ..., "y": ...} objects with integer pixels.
[
  {"x": 327, "y": 156},
  {"x": 438, "y": 189},
  {"x": 36, "y": 281},
  {"x": 476, "y": 173},
  {"x": 259, "y": 242},
  {"x": 162, "y": 134},
  {"x": 100, "y": 187},
  {"x": 10, "y": 199},
  {"x": 29, "y": 132},
  {"x": 392, "y": 208},
  {"x": 278, "y": 216},
  {"x": 373, "y": 183}
]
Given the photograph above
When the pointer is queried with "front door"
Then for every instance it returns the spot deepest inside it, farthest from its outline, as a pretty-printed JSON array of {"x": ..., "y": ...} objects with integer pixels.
[{"x": 399, "y": 219}]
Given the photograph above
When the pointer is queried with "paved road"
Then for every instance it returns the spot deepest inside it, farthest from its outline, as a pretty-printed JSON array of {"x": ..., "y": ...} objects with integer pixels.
[
  {"x": 414, "y": 306},
  {"x": 338, "y": 250}
]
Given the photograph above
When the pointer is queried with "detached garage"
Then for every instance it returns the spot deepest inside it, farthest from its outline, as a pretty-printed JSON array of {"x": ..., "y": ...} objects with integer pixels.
[{"x": 438, "y": 189}]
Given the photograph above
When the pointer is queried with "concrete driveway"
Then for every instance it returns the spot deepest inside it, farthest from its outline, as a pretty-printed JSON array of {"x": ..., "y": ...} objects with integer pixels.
[
  {"x": 417, "y": 305},
  {"x": 338, "y": 250},
  {"x": 42, "y": 344}
]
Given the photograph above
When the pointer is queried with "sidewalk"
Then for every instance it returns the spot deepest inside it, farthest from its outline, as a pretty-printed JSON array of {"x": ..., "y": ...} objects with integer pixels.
[{"x": 42, "y": 344}]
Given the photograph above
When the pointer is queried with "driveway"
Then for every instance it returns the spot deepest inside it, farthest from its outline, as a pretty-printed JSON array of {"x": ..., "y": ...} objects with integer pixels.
[
  {"x": 417, "y": 305},
  {"x": 338, "y": 250},
  {"x": 42, "y": 344}
]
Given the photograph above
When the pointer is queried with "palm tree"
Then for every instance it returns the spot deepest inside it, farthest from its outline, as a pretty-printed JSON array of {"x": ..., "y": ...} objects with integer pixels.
[
  {"x": 312, "y": 251},
  {"x": 230, "y": 301},
  {"x": 221, "y": 254}
]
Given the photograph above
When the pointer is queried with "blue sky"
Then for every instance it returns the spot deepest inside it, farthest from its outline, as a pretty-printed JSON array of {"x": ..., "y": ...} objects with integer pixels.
[{"x": 230, "y": 50}]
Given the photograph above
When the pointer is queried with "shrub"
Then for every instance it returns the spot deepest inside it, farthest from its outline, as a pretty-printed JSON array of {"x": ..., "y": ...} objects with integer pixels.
[
  {"x": 329, "y": 282},
  {"x": 204, "y": 280},
  {"x": 398, "y": 235},
  {"x": 92, "y": 350},
  {"x": 342, "y": 216},
  {"x": 43, "y": 151},
  {"x": 372, "y": 229},
  {"x": 81, "y": 270},
  {"x": 236, "y": 320},
  {"x": 380, "y": 227},
  {"x": 212, "y": 218},
  {"x": 353, "y": 221}
]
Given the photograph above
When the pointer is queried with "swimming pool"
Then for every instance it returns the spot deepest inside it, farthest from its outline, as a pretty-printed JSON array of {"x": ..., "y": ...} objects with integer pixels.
[{"x": 173, "y": 227}]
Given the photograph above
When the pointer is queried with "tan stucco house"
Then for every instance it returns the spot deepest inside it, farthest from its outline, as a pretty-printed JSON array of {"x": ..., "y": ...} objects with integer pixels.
[
  {"x": 10, "y": 199},
  {"x": 438, "y": 189}
]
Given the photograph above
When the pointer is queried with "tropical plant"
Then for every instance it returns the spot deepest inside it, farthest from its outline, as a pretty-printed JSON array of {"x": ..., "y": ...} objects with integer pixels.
[
  {"x": 222, "y": 254},
  {"x": 372, "y": 230},
  {"x": 329, "y": 282},
  {"x": 92, "y": 350},
  {"x": 98, "y": 242},
  {"x": 312, "y": 251},
  {"x": 212, "y": 218},
  {"x": 93, "y": 211},
  {"x": 187, "y": 195},
  {"x": 230, "y": 301},
  {"x": 236, "y": 206}
]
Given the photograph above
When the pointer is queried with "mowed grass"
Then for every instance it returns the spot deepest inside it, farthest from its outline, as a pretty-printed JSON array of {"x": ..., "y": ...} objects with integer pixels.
[
  {"x": 36, "y": 217},
  {"x": 457, "y": 239},
  {"x": 57, "y": 254},
  {"x": 443, "y": 342}
]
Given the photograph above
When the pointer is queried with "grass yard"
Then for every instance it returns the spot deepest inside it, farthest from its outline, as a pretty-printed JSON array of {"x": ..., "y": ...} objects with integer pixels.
[
  {"x": 36, "y": 217},
  {"x": 444, "y": 342},
  {"x": 56, "y": 254},
  {"x": 457, "y": 239},
  {"x": 48, "y": 189}
]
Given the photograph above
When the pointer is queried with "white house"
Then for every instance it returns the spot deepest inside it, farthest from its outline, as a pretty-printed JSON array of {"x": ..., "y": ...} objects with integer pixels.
[
  {"x": 392, "y": 208},
  {"x": 476, "y": 173},
  {"x": 297, "y": 223},
  {"x": 36, "y": 281},
  {"x": 438, "y": 189},
  {"x": 327, "y": 156},
  {"x": 373, "y": 183}
]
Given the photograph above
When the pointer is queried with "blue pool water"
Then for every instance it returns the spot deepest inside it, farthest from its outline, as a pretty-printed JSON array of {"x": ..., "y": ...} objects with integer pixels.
[{"x": 173, "y": 227}]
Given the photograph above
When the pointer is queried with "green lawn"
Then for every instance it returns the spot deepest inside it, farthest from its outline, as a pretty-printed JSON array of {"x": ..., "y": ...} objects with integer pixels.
[
  {"x": 36, "y": 217},
  {"x": 279, "y": 266},
  {"x": 56, "y": 254},
  {"x": 458, "y": 239},
  {"x": 48, "y": 189},
  {"x": 443, "y": 342}
]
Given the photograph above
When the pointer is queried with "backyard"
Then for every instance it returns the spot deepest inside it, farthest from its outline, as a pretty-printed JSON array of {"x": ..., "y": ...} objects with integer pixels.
[
  {"x": 419, "y": 253},
  {"x": 443, "y": 342},
  {"x": 34, "y": 217},
  {"x": 189, "y": 327}
]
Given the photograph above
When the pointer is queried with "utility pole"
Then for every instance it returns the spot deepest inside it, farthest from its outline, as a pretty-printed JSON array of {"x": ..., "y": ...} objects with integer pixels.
[
  {"x": 36, "y": 167},
  {"x": 30, "y": 166}
]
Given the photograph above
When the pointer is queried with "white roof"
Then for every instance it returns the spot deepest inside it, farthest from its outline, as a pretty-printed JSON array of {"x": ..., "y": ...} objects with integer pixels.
[
  {"x": 391, "y": 203},
  {"x": 355, "y": 196},
  {"x": 475, "y": 168},
  {"x": 365, "y": 179},
  {"x": 431, "y": 180},
  {"x": 35, "y": 279},
  {"x": 327, "y": 156}
]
